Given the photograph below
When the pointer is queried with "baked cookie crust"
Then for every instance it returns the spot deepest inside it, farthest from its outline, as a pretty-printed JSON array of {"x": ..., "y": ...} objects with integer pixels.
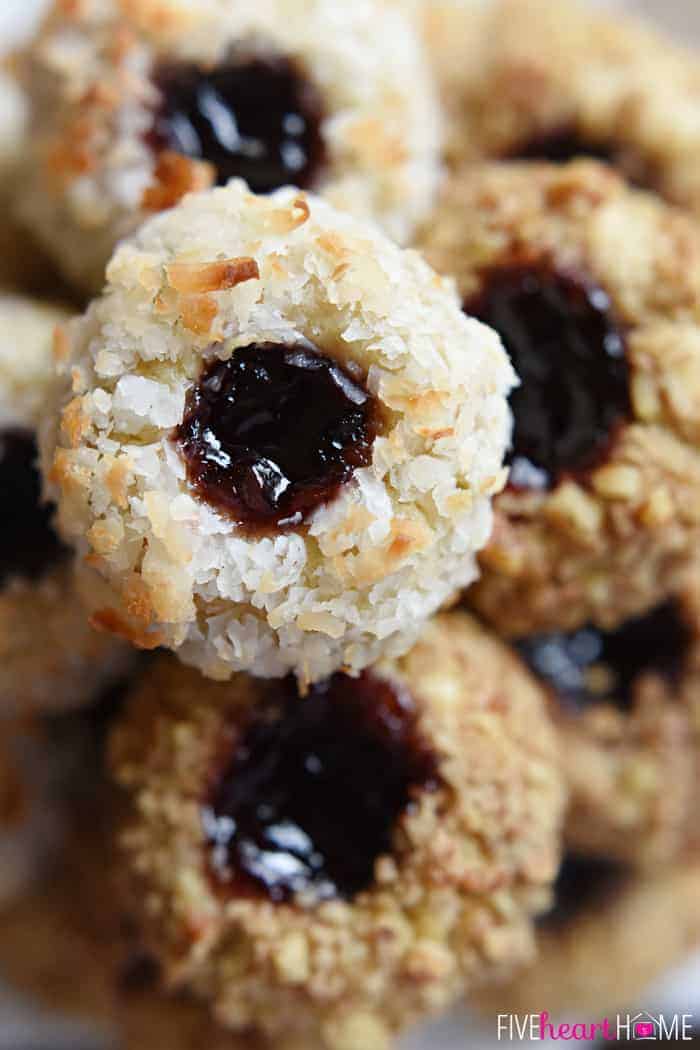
[
  {"x": 50, "y": 658},
  {"x": 625, "y": 715},
  {"x": 229, "y": 277},
  {"x": 629, "y": 929},
  {"x": 98, "y": 168},
  {"x": 450, "y": 905},
  {"x": 549, "y": 80},
  {"x": 603, "y": 541}
]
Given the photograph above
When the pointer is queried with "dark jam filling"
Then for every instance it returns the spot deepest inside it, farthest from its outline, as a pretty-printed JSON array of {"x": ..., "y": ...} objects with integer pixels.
[
  {"x": 570, "y": 357},
  {"x": 28, "y": 544},
  {"x": 274, "y": 432},
  {"x": 584, "y": 884},
  {"x": 315, "y": 789},
  {"x": 258, "y": 117},
  {"x": 565, "y": 144},
  {"x": 592, "y": 666}
]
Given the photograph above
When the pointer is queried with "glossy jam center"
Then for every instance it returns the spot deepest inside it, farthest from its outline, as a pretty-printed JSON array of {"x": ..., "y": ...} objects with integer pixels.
[
  {"x": 274, "y": 432},
  {"x": 258, "y": 118},
  {"x": 566, "y": 144},
  {"x": 583, "y": 885},
  {"x": 27, "y": 542},
  {"x": 316, "y": 786},
  {"x": 591, "y": 666},
  {"x": 570, "y": 357}
]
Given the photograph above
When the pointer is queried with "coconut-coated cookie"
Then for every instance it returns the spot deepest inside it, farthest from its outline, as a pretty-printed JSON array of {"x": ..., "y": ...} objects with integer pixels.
[
  {"x": 552, "y": 80},
  {"x": 276, "y": 439},
  {"x": 135, "y": 104},
  {"x": 49, "y": 656},
  {"x": 595, "y": 290},
  {"x": 347, "y": 862},
  {"x": 610, "y": 933},
  {"x": 623, "y": 703}
]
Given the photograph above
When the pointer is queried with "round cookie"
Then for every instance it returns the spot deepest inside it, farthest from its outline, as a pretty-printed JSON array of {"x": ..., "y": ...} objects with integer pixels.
[
  {"x": 49, "y": 657},
  {"x": 610, "y": 934},
  {"x": 349, "y": 862},
  {"x": 553, "y": 80},
  {"x": 595, "y": 289},
  {"x": 136, "y": 104},
  {"x": 276, "y": 439},
  {"x": 622, "y": 702}
]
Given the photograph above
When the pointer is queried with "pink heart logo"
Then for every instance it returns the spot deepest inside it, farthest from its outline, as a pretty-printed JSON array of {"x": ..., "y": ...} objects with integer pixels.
[{"x": 644, "y": 1030}]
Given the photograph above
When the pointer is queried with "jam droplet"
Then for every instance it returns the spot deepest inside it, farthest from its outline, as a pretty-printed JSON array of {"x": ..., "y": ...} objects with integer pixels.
[
  {"x": 274, "y": 432},
  {"x": 565, "y": 144},
  {"x": 315, "y": 789},
  {"x": 591, "y": 666},
  {"x": 570, "y": 357},
  {"x": 28, "y": 543},
  {"x": 258, "y": 117},
  {"x": 584, "y": 884}
]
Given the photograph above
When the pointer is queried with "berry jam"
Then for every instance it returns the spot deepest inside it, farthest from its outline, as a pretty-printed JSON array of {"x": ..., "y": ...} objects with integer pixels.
[
  {"x": 570, "y": 357},
  {"x": 315, "y": 789},
  {"x": 258, "y": 118},
  {"x": 591, "y": 666},
  {"x": 274, "y": 432},
  {"x": 27, "y": 541},
  {"x": 583, "y": 885},
  {"x": 566, "y": 144}
]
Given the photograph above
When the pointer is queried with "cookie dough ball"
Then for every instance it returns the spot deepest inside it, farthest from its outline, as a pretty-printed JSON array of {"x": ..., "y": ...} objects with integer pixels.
[
  {"x": 622, "y": 701},
  {"x": 595, "y": 290},
  {"x": 351, "y": 861},
  {"x": 49, "y": 657},
  {"x": 278, "y": 438},
  {"x": 611, "y": 932},
  {"x": 552, "y": 80},
  {"x": 135, "y": 104}
]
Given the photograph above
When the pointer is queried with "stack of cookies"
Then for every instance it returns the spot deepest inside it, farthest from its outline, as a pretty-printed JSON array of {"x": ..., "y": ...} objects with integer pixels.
[{"x": 350, "y": 458}]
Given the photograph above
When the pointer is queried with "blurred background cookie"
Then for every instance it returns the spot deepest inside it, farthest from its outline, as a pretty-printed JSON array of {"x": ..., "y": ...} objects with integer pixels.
[
  {"x": 623, "y": 703},
  {"x": 29, "y": 812},
  {"x": 348, "y": 862},
  {"x": 595, "y": 290},
  {"x": 49, "y": 657},
  {"x": 134, "y": 105},
  {"x": 66, "y": 945},
  {"x": 276, "y": 438},
  {"x": 553, "y": 80},
  {"x": 610, "y": 933}
]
